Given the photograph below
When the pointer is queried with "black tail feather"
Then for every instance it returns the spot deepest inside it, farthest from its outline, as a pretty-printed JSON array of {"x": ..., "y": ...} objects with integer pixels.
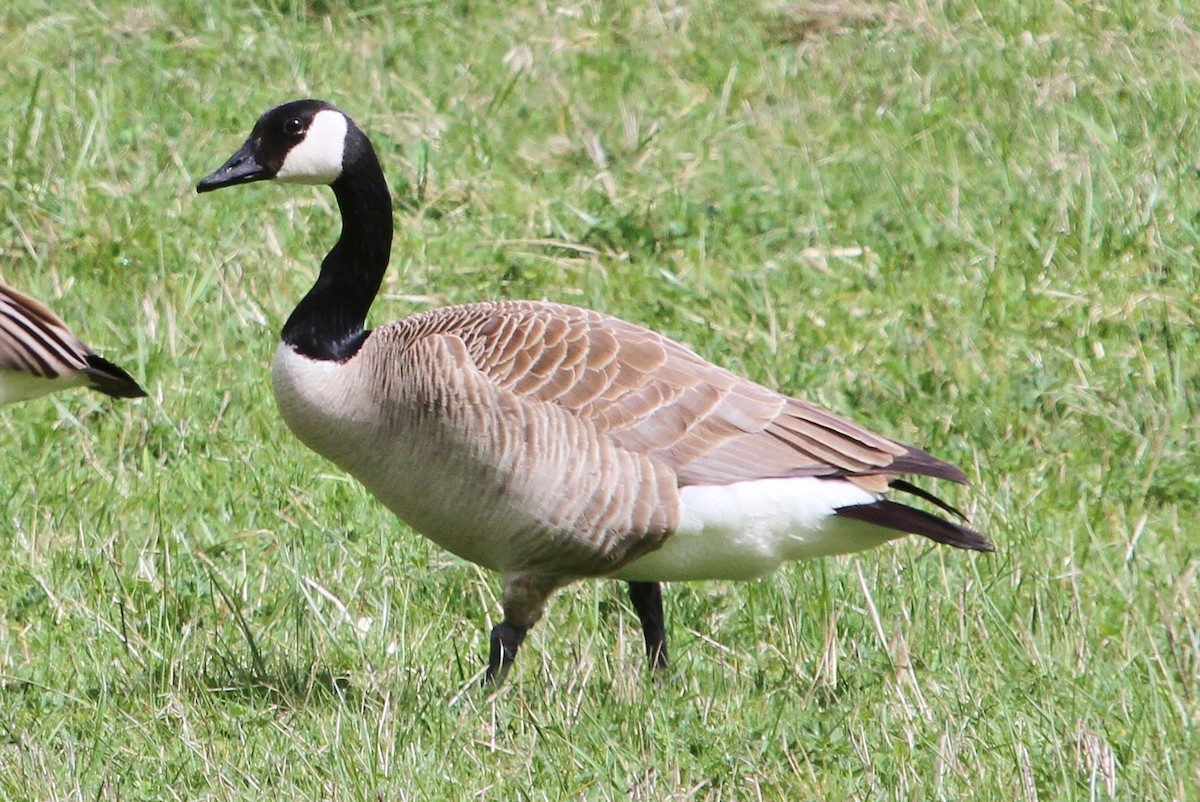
[
  {"x": 110, "y": 379},
  {"x": 891, "y": 515},
  {"x": 909, "y": 487}
]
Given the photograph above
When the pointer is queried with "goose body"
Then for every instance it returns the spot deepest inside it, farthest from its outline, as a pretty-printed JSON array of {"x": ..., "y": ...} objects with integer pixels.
[
  {"x": 40, "y": 355},
  {"x": 550, "y": 443}
]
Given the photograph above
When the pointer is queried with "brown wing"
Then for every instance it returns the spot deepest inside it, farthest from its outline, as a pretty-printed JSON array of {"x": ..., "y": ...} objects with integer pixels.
[{"x": 653, "y": 396}]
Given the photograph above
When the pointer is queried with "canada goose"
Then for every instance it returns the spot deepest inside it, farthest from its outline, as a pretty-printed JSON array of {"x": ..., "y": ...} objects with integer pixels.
[
  {"x": 40, "y": 355},
  {"x": 552, "y": 443}
]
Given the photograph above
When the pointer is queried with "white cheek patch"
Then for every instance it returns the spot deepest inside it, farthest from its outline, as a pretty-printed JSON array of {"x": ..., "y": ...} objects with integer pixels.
[{"x": 317, "y": 159}]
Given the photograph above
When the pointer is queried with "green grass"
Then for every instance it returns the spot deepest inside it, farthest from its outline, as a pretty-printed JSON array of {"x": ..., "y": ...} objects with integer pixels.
[{"x": 970, "y": 225}]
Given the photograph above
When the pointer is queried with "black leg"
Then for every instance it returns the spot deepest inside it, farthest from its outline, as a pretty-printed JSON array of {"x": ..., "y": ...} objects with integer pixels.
[
  {"x": 647, "y": 601},
  {"x": 506, "y": 639},
  {"x": 524, "y": 599}
]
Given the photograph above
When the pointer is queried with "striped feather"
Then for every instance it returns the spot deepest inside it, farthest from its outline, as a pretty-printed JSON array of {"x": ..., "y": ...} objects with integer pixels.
[{"x": 39, "y": 355}]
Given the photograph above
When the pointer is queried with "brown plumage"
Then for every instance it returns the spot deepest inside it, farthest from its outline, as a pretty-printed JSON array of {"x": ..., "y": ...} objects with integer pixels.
[{"x": 651, "y": 396}]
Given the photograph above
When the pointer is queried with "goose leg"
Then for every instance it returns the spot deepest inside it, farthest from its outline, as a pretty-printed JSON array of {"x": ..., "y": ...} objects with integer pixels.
[
  {"x": 647, "y": 601},
  {"x": 523, "y": 601}
]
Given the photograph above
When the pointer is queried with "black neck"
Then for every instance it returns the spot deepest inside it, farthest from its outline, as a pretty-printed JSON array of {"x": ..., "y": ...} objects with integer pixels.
[{"x": 328, "y": 323}]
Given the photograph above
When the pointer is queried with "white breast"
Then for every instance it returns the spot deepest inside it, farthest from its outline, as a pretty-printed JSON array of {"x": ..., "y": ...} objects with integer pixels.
[
  {"x": 748, "y": 529},
  {"x": 416, "y": 464}
]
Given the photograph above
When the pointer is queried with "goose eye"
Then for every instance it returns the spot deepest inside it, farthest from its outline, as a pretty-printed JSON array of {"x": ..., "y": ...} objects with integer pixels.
[{"x": 293, "y": 126}]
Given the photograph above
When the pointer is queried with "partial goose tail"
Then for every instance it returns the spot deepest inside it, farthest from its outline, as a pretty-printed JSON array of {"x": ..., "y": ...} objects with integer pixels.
[{"x": 110, "y": 379}]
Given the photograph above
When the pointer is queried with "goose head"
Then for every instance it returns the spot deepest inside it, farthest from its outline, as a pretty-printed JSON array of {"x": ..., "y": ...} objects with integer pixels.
[
  {"x": 300, "y": 142},
  {"x": 312, "y": 142}
]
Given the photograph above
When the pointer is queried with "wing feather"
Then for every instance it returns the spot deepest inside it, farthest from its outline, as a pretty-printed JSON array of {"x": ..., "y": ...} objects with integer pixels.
[
  {"x": 34, "y": 340},
  {"x": 653, "y": 396}
]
